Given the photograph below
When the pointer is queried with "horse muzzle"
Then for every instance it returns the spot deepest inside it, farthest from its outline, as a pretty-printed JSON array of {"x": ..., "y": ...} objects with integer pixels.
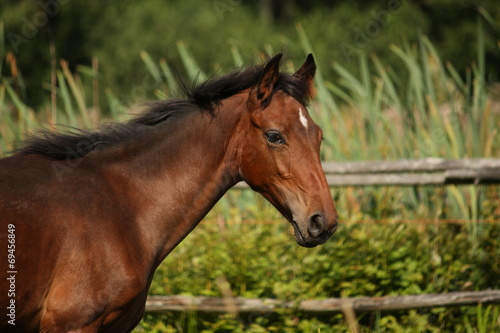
[{"x": 315, "y": 231}]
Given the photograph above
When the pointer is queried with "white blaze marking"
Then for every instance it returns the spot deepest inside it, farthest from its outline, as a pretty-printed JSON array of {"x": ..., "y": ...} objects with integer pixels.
[{"x": 303, "y": 119}]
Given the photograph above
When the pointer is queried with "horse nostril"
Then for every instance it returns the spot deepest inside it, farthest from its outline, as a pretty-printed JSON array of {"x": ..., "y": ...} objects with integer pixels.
[{"x": 316, "y": 225}]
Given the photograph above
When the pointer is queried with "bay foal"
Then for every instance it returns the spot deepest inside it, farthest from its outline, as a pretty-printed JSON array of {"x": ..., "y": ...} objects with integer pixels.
[{"x": 93, "y": 214}]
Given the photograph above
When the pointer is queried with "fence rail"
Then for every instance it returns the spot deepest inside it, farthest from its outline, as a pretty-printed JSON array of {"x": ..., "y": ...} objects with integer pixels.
[
  {"x": 162, "y": 304},
  {"x": 429, "y": 171}
]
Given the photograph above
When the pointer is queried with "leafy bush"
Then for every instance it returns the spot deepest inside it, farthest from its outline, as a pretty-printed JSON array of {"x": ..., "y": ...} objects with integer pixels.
[{"x": 361, "y": 259}]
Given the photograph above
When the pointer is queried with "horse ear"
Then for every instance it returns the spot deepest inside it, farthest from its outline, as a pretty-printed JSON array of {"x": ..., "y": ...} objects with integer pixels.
[
  {"x": 267, "y": 80},
  {"x": 306, "y": 73}
]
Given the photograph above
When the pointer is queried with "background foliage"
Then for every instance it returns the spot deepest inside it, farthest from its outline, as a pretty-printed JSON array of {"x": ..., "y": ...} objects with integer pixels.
[
  {"x": 116, "y": 31},
  {"x": 366, "y": 259},
  {"x": 396, "y": 80}
]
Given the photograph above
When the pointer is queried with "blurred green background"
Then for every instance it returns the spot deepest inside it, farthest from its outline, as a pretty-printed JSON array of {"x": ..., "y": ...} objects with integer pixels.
[
  {"x": 116, "y": 31},
  {"x": 396, "y": 80}
]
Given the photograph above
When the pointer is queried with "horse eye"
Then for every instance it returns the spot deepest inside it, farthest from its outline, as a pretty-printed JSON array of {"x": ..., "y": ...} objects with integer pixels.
[{"x": 275, "y": 138}]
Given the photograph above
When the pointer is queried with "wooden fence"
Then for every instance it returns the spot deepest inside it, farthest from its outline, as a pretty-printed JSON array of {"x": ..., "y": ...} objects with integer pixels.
[
  {"x": 161, "y": 304},
  {"x": 429, "y": 171}
]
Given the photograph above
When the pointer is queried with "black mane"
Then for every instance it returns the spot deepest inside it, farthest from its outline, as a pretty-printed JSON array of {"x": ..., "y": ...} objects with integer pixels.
[{"x": 205, "y": 97}]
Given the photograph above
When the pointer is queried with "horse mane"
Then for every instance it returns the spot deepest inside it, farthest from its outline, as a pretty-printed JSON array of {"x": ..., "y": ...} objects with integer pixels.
[{"x": 205, "y": 97}]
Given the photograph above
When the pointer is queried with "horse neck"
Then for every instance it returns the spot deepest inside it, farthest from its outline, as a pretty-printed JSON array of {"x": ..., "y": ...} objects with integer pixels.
[{"x": 173, "y": 178}]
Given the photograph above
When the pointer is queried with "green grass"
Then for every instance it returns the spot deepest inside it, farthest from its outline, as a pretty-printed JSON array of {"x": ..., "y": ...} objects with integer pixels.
[{"x": 429, "y": 110}]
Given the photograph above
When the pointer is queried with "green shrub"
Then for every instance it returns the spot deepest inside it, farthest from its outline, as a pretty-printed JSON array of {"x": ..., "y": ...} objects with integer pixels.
[{"x": 360, "y": 260}]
